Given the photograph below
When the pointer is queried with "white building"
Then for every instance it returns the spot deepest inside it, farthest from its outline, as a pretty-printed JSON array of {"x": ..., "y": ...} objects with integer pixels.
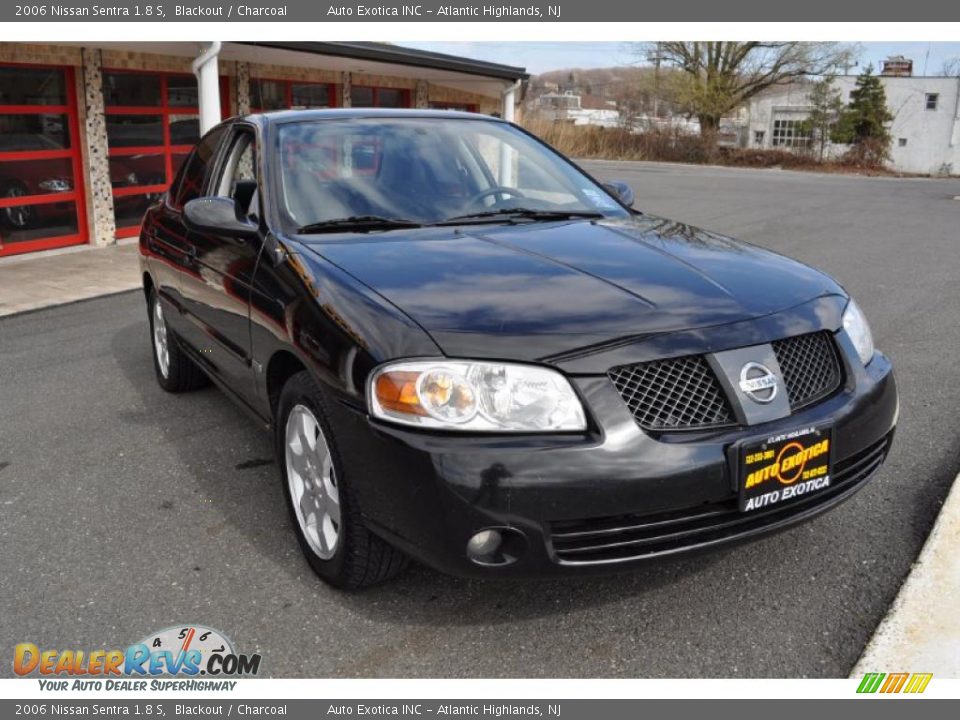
[
  {"x": 925, "y": 127},
  {"x": 578, "y": 109}
]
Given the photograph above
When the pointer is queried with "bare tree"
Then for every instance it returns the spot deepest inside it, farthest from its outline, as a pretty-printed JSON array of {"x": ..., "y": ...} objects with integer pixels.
[
  {"x": 951, "y": 68},
  {"x": 718, "y": 77}
]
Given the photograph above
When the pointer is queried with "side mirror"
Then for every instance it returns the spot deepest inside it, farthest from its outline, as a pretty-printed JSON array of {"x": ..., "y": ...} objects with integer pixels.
[
  {"x": 622, "y": 191},
  {"x": 218, "y": 215}
]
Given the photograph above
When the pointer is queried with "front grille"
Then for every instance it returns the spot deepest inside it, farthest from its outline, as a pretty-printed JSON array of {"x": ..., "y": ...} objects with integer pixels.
[
  {"x": 810, "y": 367},
  {"x": 633, "y": 537},
  {"x": 684, "y": 394},
  {"x": 673, "y": 394}
]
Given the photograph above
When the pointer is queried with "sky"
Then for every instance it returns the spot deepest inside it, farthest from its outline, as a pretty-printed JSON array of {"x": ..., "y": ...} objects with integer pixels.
[{"x": 538, "y": 57}]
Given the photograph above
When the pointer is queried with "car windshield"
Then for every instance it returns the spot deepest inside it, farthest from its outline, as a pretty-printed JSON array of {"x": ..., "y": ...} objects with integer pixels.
[{"x": 386, "y": 173}]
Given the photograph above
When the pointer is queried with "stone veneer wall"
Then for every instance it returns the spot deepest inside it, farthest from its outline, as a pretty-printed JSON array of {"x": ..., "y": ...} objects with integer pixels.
[
  {"x": 346, "y": 90},
  {"x": 35, "y": 53},
  {"x": 422, "y": 98},
  {"x": 123, "y": 60},
  {"x": 486, "y": 105},
  {"x": 282, "y": 72},
  {"x": 243, "y": 88},
  {"x": 99, "y": 198}
]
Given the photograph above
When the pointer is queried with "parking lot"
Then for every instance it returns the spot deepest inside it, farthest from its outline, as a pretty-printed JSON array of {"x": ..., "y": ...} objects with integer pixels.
[{"x": 125, "y": 510}]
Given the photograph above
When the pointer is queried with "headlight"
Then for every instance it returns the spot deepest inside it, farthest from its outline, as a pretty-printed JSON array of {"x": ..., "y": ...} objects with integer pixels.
[
  {"x": 859, "y": 331},
  {"x": 475, "y": 396}
]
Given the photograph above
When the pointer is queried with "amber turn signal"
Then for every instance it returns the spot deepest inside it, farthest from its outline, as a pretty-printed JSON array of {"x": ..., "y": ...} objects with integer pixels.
[{"x": 397, "y": 391}]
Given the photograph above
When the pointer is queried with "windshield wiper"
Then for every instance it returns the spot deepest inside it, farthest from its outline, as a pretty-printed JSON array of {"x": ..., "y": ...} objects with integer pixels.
[
  {"x": 359, "y": 223},
  {"x": 523, "y": 213}
]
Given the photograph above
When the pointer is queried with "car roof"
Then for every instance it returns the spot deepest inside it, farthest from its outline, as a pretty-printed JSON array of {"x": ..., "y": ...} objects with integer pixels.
[{"x": 355, "y": 113}]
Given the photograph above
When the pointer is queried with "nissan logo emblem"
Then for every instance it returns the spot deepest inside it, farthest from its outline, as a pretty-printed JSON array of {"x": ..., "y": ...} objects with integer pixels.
[{"x": 758, "y": 383}]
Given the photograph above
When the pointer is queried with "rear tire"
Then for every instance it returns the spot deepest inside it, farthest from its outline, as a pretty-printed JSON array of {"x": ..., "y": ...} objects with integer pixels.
[
  {"x": 17, "y": 217},
  {"x": 324, "y": 509},
  {"x": 175, "y": 371}
]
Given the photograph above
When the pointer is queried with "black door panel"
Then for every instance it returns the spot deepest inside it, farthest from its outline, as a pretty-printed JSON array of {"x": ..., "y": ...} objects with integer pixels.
[
  {"x": 216, "y": 287},
  {"x": 216, "y": 300}
]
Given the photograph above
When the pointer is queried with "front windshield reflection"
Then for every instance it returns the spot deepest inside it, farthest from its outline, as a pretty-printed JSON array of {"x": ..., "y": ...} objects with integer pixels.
[{"x": 424, "y": 170}]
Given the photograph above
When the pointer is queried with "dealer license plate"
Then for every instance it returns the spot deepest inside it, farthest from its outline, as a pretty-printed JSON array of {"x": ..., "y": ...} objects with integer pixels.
[{"x": 784, "y": 467}]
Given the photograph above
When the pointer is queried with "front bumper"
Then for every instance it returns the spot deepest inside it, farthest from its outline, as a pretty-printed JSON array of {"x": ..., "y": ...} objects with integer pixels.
[{"x": 605, "y": 500}]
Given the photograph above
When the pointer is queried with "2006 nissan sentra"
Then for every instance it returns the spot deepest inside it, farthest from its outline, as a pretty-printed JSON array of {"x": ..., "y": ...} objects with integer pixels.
[{"x": 472, "y": 353}]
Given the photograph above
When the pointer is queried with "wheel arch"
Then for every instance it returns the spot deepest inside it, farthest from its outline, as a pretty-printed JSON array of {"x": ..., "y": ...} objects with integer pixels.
[
  {"x": 148, "y": 285},
  {"x": 282, "y": 365}
]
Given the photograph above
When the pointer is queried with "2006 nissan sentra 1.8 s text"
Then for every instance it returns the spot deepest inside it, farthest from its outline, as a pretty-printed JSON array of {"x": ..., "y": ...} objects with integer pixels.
[{"x": 471, "y": 353}]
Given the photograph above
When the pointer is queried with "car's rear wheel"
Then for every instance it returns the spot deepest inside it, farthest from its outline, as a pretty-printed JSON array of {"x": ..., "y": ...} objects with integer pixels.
[
  {"x": 175, "y": 371},
  {"x": 18, "y": 217},
  {"x": 323, "y": 507}
]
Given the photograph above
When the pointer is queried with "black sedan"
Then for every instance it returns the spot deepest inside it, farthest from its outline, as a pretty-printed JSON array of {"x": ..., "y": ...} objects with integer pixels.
[{"x": 472, "y": 353}]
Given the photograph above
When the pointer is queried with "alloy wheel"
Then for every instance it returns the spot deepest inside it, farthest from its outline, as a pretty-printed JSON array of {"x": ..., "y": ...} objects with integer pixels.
[
  {"x": 160, "y": 339},
  {"x": 312, "y": 482},
  {"x": 18, "y": 216}
]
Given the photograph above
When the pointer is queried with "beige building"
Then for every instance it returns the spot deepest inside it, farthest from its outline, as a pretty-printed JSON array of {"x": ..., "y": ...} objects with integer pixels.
[{"x": 92, "y": 133}]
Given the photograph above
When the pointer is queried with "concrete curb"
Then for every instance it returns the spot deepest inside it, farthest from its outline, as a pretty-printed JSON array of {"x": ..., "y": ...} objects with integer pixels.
[{"x": 921, "y": 632}]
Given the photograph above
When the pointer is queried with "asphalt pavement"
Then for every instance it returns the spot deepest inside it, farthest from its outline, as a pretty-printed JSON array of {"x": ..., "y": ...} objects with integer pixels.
[{"x": 124, "y": 510}]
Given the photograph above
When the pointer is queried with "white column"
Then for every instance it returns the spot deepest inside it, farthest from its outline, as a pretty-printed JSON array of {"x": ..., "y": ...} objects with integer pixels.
[
  {"x": 509, "y": 102},
  {"x": 206, "y": 68},
  {"x": 506, "y": 153}
]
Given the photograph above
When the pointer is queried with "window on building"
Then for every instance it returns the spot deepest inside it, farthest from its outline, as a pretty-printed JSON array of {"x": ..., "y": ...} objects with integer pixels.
[
  {"x": 902, "y": 142},
  {"x": 758, "y": 136},
  {"x": 268, "y": 95},
  {"x": 789, "y": 133},
  {"x": 362, "y": 96},
  {"x": 152, "y": 125},
  {"x": 932, "y": 100},
  {"x": 41, "y": 174}
]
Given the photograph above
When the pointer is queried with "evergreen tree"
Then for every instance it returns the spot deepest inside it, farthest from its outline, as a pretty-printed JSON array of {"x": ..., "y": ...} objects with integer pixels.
[
  {"x": 863, "y": 123},
  {"x": 826, "y": 107}
]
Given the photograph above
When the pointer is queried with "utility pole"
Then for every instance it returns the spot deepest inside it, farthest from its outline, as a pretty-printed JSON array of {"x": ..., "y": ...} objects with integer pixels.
[{"x": 658, "y": 56}]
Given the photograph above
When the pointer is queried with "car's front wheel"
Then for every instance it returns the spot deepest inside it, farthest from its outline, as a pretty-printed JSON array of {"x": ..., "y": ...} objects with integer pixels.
[
  {"x": 175, "y": 371},
  {"x": 323, "y": 507}
]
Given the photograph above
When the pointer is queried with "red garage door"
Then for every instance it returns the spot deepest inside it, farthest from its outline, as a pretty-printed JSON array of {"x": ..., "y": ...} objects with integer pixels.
[
  {"x": 153, "y": 122},
  {"x": 42, "y": 203}
]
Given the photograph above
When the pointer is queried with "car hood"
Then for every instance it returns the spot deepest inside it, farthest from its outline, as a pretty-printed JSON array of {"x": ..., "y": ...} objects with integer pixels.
[{"x": 536, "y": 290}]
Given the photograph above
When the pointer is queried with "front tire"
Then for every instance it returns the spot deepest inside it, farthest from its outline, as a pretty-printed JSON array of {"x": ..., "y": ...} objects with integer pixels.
[
  {"x": 323, "y": 507},
  {"x": 175, "y": 371}
]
